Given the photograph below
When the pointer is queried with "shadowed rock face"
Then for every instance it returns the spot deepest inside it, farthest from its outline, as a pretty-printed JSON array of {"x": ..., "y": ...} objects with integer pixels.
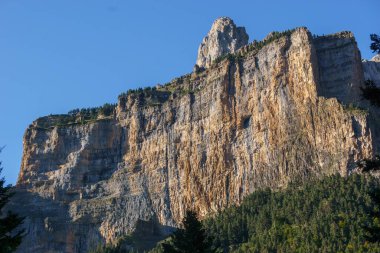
[
  {"x": 223, "y": 38},
  {"x": 372, "y": 69},
  {"x": 338, "y": 55},
  {"x": 256, "y": 121}
]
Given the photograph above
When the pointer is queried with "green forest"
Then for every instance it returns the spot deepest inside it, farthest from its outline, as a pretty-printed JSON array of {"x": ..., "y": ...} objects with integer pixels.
[{"x": 334, "y": 214}]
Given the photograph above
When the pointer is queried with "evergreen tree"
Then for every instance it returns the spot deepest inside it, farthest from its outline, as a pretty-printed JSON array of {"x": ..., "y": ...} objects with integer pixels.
[
  {"x": 369, "y": 164},
  {"x": 8, "y": 241},
  {"x": 191, "y": 239},
  {"x": 375, "y": 45},
  {"x": 108, "y": 249},
  {"x": 371, "y": 92}
]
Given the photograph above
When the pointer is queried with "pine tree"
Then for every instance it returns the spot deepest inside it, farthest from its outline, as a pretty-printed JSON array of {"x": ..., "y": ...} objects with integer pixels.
[
  {"x": 371, "y": 92},
  {"x": 375, "y": 45},
  {"x": 8, "y": 241},
  {"x": 369, "y": 164},
  {"x": 191, "y": 239}
]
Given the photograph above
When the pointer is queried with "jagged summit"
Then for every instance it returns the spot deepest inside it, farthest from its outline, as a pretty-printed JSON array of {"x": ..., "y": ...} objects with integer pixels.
[{"x": 223, "y": 38}]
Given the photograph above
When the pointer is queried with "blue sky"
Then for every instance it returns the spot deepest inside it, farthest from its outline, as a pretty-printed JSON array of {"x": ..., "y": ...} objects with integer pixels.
[{"x": 64, "y": 54}]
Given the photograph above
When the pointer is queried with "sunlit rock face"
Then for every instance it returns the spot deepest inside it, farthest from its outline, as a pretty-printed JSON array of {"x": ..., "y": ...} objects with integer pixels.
[
  {"x": 260, "y": 120},
  {"x": 223, "y": 38}
]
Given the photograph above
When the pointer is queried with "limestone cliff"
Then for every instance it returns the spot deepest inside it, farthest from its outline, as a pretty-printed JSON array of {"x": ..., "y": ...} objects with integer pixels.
[
  {"x": 372, "y": 69},
  {"x": 223, "y": 38},
  {"x": 274, "y": 111}
]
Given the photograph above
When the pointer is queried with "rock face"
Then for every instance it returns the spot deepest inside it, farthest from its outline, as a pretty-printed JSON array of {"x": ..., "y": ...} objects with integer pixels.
[
  {"x": 223, "y": 38},
  {"x": 342, "y": 82},
  {"x": 376, "y": 58},
  {"x": 275, "y": 114},
  {"x": 372, "y": 69}
]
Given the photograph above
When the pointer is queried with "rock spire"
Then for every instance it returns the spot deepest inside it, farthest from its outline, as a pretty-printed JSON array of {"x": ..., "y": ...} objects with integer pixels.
[{"x": 223, "y": 38}]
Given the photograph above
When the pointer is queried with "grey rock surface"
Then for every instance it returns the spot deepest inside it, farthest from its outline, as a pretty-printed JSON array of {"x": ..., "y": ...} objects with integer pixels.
[
  {"x": 372, "y": 69},
  {"x": 223, "y": 38},
  {"x": 340, "y": 68}
]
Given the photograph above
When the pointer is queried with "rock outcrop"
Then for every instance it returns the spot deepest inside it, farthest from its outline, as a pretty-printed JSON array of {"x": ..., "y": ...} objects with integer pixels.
[
  {"x": 274, "y": 114},
  {"x": 340, "y": 67},
  {"x": 223, "y": 38},
  {"x": 372, "y": 69}
]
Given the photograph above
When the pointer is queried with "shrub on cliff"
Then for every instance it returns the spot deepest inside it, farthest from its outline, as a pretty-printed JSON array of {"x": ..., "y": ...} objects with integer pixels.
[
  {"x": 371, "y": 92},
  {"x": 369, "y": 164},
  {"x": 107, "y": 109},
  {"x": 92, "y": 113}
]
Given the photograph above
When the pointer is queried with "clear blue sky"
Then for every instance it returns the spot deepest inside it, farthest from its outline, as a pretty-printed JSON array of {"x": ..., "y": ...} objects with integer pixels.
[{"x": 64, "y": 54}]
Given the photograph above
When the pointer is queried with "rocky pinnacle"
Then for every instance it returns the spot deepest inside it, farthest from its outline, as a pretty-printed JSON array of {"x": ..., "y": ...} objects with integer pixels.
[{"x": 223, "y": 38}]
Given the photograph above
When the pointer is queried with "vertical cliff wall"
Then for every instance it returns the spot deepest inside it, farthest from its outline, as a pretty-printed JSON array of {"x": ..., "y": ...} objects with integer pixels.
[
  {"x": 372, "y": 69},
  {"x": 261, "y": 118},
  {"x": 340, "y": 67}
]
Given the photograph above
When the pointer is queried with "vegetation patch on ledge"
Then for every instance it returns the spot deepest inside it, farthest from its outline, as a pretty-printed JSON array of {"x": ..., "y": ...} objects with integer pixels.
[
  {"x": 159, "y": 94},
  {"x": 343, "y": 34},
  {"x": 77, "y": 117},
  {"x": 355, "y": 110},
  {"x": 148, "y": 95}
]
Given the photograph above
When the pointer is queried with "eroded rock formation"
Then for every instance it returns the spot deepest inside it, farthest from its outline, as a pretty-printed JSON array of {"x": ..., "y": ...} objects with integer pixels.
[
  {"x": 276, "y": 113},
  {"x": 223, "y": 38},
  {"x": 372, "y": 69}
]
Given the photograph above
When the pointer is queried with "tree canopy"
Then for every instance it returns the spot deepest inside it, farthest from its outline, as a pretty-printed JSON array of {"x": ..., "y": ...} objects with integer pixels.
[
  {"x": 9, "y": 240},
  {"x": 371, "y": 92},
  {"x": 375, "y": 45},
  {"x": 191, "y": 238}
]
